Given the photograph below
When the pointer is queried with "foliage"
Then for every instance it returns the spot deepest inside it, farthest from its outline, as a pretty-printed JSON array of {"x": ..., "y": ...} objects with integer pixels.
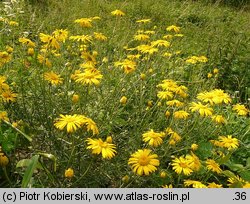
[{"x": 115, "y": 94}]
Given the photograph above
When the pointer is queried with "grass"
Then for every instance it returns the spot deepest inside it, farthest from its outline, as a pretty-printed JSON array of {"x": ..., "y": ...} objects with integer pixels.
[{"x": 124, "y": 102}]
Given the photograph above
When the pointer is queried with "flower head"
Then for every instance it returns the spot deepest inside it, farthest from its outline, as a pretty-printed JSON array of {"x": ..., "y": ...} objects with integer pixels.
[
  {"x": 194, "y": 184},
  {"x": 117, "y": 13},
  {"x": 143, "y": 162},
  {"x": 204, "y": 110},
  {"x": 98, "y": 146},
  {"x": 181, "y": 114},
  {"x": 71, "y": 122},
  {"x": 84, "y": 22},
  {"x": 53, "y": 78},
  {"x": 88, "y": 77},
  {"x": 229, "y": 142},
  {"x": 3, "y": 160},
  {"x": 241, "y": 109},
  {"x": 153, "y": 138},
  {"x": 69, "y": 173},
  {"x": 213, "y": 166},
  {"x": 8, "y": 96},
  {"x": 182, "y": 165}
]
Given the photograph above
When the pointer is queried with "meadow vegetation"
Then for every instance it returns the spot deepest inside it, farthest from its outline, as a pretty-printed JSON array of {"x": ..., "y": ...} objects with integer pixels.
[{"x": 101, "y": 93}]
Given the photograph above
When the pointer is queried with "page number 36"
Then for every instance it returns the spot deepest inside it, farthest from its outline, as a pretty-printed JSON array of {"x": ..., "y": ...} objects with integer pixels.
[{"x": 240, "y": 196}]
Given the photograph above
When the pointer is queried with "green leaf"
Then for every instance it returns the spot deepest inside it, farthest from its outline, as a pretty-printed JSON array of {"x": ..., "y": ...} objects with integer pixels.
[
  {"x": 205, "y": 150},
  {"x": 29, "y": 171},
  {"x": 248, "y": 162},
  {"x": 229, "y": 174},
  {"x": 51, "y": 157},
  {"x": 245, "y": 175},
  {"x": 235, "y": 167},
  {"x": 26, "y": 162}
]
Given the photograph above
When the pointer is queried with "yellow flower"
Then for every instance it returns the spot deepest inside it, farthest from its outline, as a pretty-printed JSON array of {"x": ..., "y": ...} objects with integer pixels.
[
  {"x": 144, "y": 21},
  {"x": 60, "y": 34},
  {"x": 209, "y": 75},
  {"x": 203, "y": 110},
  {"x": 9, "y": 49},
  {"x": 81, "y": 38},
  {"x": 182, "y": 165},
  {"x": 4, "y": 116},
  {"x": 31, "y": 51},
  {"x": 246, "y": 185},
  {"x": 213, "y": 166},
  {"x": 163, "y": 174},
  {"x": 181, "y": 114},
  {"x": 229, "y": 142},
  {"x": 98, "y": 146},
  {"x": 236, "y": 180},
  {"x": 91, "y": 125},
  {"x": 219, "y": 119},
  {"x": 167, "y": 54},
  {"x": 88, "y": 77},
  {"x": 128, "y": 65},
  {"x": 117, "y": 13},
  {"x": 13, "y": 23},
  {"x": 165, "y": 95},
  {"x": 100, "y": 36},
  {"x": 168, "y": 37},
  {"x": 153, "y": 138},
  {"x": 194, "y": 147},
  {"x": 147, "y": 49},
  {"x": 141, "y": 37},
  {"x": 71, "y": 122},
  {"x": 123, "y": 100},
  {"x": 84, "y": 22},
  {"x": 27, "y": 42},
  {"x": 195, "y": 163},
  {"x": 125, "y": 179},
  {"x": 3, "y": 160},
  {"x": 142, "y": 76},
  {"x": 160, "y": 43},
  {"x": 241, "y": 109},
  {"x": 50, "y": 41},
  {"x": 216, "y": 71},
  {"x": 214, "y": 185},
  {"x": 174, "y": 136},
  {"x": 216, "y": 96},
  {"x": 143, "y": 162},
  {"x": 3, "y": 85},
  {"x": 53, "y": 78},
  {"x": 174, "y": 102},
  {"x": 5, "y": 57},
  {"x": 75, "y": 98},
  {"x": 167, "y": 114},
  {"x": 69, "y": 173},
  {"x": 167, "y": 186},
  {"x": 8, "y": 96},
  {"x": 174, "y": 28},
  {"x": 194, "y": 184}
]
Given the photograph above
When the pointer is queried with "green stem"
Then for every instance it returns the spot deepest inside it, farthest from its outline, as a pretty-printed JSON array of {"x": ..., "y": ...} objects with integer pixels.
[
  {"x": 19, "y": 131},
  {"x": 86, "y": 171},
  {"x": 6, "y": 175}
]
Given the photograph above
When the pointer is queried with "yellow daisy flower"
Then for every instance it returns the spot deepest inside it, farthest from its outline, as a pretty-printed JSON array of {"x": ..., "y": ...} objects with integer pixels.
[
  {"x": 153, "y": 138},
  {"x": 213, "y": 166},
  {"x": 71, "y": 122},
  {"x": 182, "y": 165},
  {"x": 53, "y": 78},
  {"x": 98, "y": 146},
  {"x": 143, "y": 162}
]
